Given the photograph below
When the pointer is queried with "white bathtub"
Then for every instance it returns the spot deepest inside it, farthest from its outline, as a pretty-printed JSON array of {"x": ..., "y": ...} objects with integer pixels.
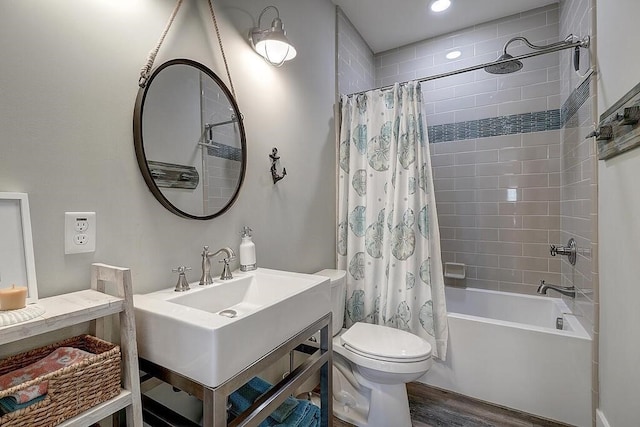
[{"x": 504, "y": 348}]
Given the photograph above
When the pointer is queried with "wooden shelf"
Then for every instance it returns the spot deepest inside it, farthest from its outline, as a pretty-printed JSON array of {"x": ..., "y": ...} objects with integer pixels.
[
  {"x": 100, "y": 411},
  {"x": 62, "y": 311},
  {"x": 93, "y": 305}
]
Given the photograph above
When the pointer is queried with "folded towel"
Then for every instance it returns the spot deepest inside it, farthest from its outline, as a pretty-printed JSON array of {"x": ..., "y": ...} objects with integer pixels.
[
  {"x": 244, "y": 397},
  {"x": 9, "y": 403},
  {"x": 57, "y": 359},
  {"x": 306, "y": 414}
]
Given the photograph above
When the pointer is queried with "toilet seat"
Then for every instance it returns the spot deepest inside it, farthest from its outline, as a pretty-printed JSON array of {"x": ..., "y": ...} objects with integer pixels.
[{"x": 385, "y": 344}]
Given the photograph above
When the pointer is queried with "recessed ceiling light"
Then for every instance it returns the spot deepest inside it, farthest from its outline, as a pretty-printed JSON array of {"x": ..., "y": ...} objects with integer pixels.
[
  {"x": 453, "y": 54},
  {"x": 440, "y": 5}
]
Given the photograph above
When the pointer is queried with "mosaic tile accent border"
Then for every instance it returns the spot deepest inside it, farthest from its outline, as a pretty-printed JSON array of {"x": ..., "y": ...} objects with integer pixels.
[
  {"x": 226, "y": 152},
  {"x": 575, "y": 100},
  {"x": 496, "y": 126},
  {"x": 516, "y": 123}
]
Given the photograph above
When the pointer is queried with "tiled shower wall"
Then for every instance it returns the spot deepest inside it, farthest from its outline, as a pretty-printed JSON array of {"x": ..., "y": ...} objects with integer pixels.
[
  {"x": 495, "y": 146},
  {"x": 498, "y": 208},
  {"x": 222, "y": 163},
  {"x": 355, "y": 59},
  {"x": 578, "y": 192},
  {"x": 479, "y": 95}
]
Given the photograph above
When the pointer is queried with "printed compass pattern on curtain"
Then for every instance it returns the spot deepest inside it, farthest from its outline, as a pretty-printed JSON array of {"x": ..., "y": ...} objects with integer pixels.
[{"x": 388, "y": 239}]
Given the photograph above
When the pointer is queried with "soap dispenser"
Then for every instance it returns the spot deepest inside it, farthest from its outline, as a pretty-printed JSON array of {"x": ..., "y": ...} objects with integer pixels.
[{"x": 247, "y": 251}]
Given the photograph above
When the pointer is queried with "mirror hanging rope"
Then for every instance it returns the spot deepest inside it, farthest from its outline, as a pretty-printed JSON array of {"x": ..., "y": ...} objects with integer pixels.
[
  {"x": 224, "y": 57},
  {"x": 146, "y": 69}
]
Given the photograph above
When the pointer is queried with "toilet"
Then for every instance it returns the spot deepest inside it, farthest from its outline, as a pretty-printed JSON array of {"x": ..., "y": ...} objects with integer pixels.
[{"x": 371, "y": 366}]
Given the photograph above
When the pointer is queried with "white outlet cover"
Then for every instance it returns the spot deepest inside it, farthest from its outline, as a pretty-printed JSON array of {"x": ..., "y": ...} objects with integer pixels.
[{"x": 71, "y": 232}]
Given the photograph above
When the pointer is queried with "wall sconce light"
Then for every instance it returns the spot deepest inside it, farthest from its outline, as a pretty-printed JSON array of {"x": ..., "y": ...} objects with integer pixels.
[{"x": 272, "y": 43}]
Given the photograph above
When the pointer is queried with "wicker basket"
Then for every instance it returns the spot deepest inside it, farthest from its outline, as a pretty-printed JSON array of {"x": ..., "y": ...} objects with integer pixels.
[{"x": 72, "y": 389}]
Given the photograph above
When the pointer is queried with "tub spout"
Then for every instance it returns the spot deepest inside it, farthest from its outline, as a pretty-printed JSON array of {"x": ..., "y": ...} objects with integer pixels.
[{"x": 569, "y": 291}]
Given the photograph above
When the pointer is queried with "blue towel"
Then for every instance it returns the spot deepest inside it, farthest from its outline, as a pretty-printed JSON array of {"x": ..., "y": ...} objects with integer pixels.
[
  {"x": 9, "y": 404},
  {"x": 306, "y": 414},
  {"x": 244, "y": 397}
]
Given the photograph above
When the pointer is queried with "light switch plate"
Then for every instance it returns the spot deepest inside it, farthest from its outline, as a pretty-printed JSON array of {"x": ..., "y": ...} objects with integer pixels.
[{"x": 79, "y": 232}]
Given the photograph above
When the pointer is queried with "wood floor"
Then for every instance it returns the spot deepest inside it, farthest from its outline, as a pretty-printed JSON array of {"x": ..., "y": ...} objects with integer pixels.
[{"x": 432, "y": 407}]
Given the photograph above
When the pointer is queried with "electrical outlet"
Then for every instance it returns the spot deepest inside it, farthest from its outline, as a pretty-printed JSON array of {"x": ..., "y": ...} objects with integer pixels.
[
  {"x": 79, "y": 232},
  {"x": 81, "y": 224},
  {"x": 80, "y": 239}
]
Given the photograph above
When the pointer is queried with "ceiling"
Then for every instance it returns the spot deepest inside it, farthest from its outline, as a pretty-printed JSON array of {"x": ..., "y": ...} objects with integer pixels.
[{"x": 387, "y": 24}]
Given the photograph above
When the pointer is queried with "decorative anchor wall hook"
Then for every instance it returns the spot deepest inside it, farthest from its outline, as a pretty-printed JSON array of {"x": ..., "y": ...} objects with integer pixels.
[{"x": 274, "y": 160}]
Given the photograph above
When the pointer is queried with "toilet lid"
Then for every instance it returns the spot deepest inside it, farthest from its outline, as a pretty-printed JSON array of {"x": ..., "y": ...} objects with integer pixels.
[{"x": 383, "y": 342}]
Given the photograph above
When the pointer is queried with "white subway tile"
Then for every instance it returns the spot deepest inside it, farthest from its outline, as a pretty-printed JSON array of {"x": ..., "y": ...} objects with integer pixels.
[
  {"x": 540, "y": 35},
  {"x": 498, "y": 97},
  {"x": 476, "y": 88},
  {"x": 521, "y": 107},
  {"x": 503, "y": 141},
  {"x": 439, "y": 95},
  {"x": 476, "y": 113},
  {"x": 552, "y": 137},
  {"x": 516, "y": 26},
  {"x": 432, "y": 46},
  {"x": 454, "y": 147},
  {"x": 455, "y": 104},
  {"x": 524, "y": 153},
  {"x": 440, "y": 118},
  {"x": 453, "y": 81},
  {"x": 398, "y": 55},
  {"x": 522, "y": 78},
  {"x": 466, "y": 52},
  {"x": 389, "y": 70},
  {"x": 416, "y": 64},
  {"x": 482, "y": 32}
]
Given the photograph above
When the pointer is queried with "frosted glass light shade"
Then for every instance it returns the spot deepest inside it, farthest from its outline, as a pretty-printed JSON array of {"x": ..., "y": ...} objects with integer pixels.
[
  {"x": 275, "y": 51},
  {"x": 272, "y": 44}
]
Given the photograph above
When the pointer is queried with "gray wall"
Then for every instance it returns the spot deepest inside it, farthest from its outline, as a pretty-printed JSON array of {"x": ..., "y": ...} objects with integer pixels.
[
  {"x": 68, "y": 84},
  {"x": 618, "y": 224},
  {"x": 356, "y": 68}
]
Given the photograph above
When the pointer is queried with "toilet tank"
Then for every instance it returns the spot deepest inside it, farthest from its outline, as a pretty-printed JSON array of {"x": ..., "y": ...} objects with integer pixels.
[{"x": 338, "y": 295}]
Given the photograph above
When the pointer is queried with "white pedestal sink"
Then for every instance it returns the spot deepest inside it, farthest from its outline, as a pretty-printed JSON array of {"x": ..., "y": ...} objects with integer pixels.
[{"x": 192, "y": 334}]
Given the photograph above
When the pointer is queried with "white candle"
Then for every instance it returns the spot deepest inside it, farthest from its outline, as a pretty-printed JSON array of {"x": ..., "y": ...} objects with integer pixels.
[{"x": 13, "y": 298}]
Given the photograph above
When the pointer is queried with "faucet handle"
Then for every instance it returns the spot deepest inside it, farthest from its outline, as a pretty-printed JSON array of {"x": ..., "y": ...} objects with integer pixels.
[
  {"x": 182, "y": 284},
  {"x": 226, "y": 271}
]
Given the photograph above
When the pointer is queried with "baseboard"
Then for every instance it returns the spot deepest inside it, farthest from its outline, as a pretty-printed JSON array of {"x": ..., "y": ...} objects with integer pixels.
[{"x": 601, "y": 420}]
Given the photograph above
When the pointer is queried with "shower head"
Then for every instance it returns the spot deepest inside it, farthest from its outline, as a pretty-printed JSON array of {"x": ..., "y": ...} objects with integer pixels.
[
  {"x": 514, "y": 65},
  {"x": 504, "y": 67}
]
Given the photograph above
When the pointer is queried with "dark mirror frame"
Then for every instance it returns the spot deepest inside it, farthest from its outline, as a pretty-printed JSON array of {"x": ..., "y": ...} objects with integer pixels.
[{"x": 139, "y": 143}]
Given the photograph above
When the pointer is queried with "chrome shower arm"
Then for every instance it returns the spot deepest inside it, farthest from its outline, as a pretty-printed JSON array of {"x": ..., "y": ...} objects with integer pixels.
[{"x": 569, "y": 39}]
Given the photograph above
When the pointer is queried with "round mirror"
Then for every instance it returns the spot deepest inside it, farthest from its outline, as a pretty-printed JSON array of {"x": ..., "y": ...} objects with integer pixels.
[{"x": 189, "y": 140}]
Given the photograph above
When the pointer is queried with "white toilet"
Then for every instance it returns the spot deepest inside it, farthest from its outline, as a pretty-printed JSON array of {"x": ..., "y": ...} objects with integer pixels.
[{"x": 371, "y": 366}]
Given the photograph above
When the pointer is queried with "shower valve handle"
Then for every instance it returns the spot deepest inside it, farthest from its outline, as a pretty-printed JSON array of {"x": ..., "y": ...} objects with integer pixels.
[{"x": 570, "y": 250}]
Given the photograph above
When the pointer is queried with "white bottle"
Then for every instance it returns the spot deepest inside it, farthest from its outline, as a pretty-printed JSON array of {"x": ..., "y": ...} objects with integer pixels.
[{"x": 247, "y": 251}]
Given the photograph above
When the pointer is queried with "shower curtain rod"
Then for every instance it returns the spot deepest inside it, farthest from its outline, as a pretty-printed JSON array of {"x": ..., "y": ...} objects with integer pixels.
[{"x": 578, "y": 43}]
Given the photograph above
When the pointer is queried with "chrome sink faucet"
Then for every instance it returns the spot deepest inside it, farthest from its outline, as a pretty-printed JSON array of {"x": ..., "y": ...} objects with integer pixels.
[
  {"x": 206, "y": 279},
  {"x": 569, "y": 291}
]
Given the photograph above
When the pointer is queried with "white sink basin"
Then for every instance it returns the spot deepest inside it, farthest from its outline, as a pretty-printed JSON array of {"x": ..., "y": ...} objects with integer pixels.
[{"x": 187, "y": 333}]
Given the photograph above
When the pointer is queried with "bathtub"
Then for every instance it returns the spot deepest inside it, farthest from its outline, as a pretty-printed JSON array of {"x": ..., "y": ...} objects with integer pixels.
[{"x": 504, "y": 348}]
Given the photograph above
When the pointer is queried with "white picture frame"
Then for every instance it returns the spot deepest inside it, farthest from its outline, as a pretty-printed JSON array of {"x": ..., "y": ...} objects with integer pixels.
[{"x": 17, "y": 263}]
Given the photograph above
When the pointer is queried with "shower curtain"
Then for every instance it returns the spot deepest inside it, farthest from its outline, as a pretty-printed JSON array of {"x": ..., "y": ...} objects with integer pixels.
[{"x": 388, "y": 239}]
